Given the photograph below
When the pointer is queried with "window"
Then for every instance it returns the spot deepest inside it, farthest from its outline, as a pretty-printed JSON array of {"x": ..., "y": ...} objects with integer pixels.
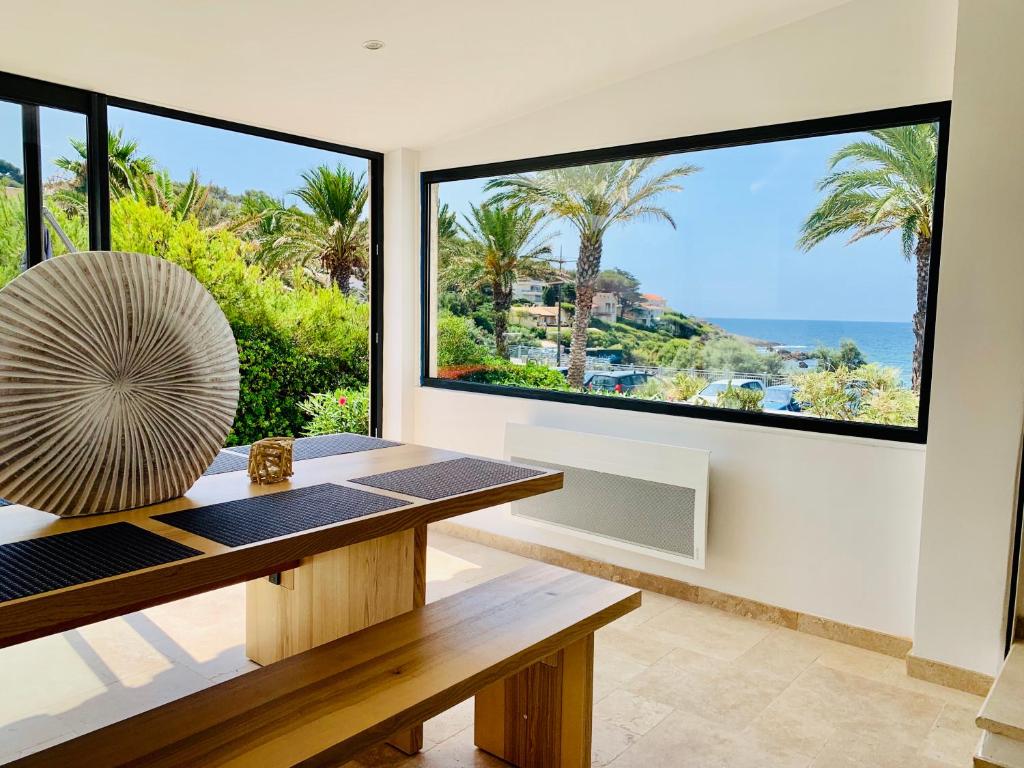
[
  {"x": 782, "y": 276},
  {"x": 280, "y": 235},
  {"x": 283, "y": 231}
]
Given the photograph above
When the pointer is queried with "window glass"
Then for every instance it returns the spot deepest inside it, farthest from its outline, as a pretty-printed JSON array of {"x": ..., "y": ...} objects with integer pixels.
[
  {"x": 63, "y": 144},
  {"x": 279, "y": 233},
  {"x": 12, "y": 195},
  {"x": 801, "y": 265}
]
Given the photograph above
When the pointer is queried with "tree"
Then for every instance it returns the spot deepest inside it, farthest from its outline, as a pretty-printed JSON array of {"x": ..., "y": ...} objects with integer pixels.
[
  {"x": 11, "y": 173},
  {"x": 880, "y": 185},
  {"x": 179, "y": 200},
  {"x": 129, "y": 170},
  {"x": 592, "y": 198},
  {"x": 623, "y": 284},
  {"x": 848, "y": 355},
  {"x": 334, "y": 229},
  {"x": 502, "y": 244}
]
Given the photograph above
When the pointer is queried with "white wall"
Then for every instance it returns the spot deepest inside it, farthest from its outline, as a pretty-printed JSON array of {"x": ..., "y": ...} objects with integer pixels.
[
  {"x": 824, "y": 525},
  {"x": 978, "y": 393}
]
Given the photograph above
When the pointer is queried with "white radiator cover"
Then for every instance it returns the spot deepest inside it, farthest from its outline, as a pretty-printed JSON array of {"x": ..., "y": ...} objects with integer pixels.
[{"x": 643, "y": 497}]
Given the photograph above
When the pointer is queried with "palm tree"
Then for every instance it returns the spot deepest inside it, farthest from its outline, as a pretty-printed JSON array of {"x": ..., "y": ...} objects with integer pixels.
[
  {"x": 334, "y": 229},
  {"x": 592, "y": 198},
  {"x": 502, "y": 244},
  {"x": 128, "y": 169},
  {"x": 179, "y": 200},
  {"x": 887, "y": 186}
]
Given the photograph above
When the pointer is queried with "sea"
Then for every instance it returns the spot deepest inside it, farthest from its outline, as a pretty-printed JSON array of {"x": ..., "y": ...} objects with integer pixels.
[{"x": 889, "y": 344}]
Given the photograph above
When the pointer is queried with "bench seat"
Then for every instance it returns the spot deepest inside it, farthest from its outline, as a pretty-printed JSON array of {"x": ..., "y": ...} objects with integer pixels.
[{"x": 324, "y": 706}]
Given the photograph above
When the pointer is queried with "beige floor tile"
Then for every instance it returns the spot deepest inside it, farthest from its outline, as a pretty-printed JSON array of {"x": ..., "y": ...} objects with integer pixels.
[
  {"x": 675, "y": 684},
  {"x": 632, "y": 712},
  {"x": 633, "y": 643},
  {"x": 866, "y": 749},
  {"x": 613, "y": 670},
  {"x": 721, "y": 691},
  {"x": 448, "y": 724},
  {"x": 609, "y": 741},
  {"x": 850, "y": 703},
  {"x": 122, "y": 700},
  {"x": 116, "y": 645},
  {"x": 683, "y": 740},
  {"x": 31, "y": 734},
  {"x": 954, "y": 737},
  {"x": 705, "y": 630},
  {"x": 50, "y": 675},
  {"x": 456, "y": 752},
  {"x": 783, "y": 652},
  {"x": 651, "y": 604}
]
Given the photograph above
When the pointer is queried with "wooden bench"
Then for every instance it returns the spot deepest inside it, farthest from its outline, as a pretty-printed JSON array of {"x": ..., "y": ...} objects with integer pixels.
[{"x": 523, "y": 644}]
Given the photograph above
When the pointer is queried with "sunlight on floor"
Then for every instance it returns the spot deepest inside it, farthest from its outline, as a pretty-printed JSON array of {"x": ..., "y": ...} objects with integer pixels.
[{"x": 675, "y": 684}]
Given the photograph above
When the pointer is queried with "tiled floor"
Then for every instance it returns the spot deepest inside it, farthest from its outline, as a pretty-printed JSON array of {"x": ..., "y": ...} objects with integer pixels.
[{"x": 676, "y": 685}]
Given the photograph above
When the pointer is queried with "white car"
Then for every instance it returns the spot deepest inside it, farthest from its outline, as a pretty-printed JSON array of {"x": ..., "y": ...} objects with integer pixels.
[{"x": 709, "y": 395}]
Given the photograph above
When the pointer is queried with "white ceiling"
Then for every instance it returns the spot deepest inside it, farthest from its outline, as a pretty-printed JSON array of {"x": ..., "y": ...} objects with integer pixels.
[{"x": 448, "y": 67}]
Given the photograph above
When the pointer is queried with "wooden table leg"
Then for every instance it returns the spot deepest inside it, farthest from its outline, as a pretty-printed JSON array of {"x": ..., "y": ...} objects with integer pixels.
[
  {"x": 410, "y": 742},
  {"x": 542, "y": 716},
  {"x": 335, "y": 594},
  {"x": 328, "y": 596}
]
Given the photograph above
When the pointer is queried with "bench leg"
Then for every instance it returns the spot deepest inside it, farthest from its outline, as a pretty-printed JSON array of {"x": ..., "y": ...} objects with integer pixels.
[{"x": 541, "y": 717}]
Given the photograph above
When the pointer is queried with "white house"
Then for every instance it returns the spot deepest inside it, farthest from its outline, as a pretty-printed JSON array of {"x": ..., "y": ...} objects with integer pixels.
[
  {"x": 606, "y": 306},
  {"x": 529, "y": 289},
  {"x": 649, "y": 311}
]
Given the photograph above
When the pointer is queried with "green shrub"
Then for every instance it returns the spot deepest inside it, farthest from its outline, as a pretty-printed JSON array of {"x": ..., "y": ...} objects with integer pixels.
[
  {"x": 343, "y": 410},
  {"x": 499, "y": 371},
  {"x": 277, "y": 377},
  {"x": 848, "y": 355},
  {"x": 740, "y": 399},
  {"x": 653, "y": 389},
  {"x": 828, "y": 394},
  {"x": 292, "y": 340},
  {"x": 731, "y": 354},
  {"x": 876, "y": 376},
  {"x": 898, "y": 407},
  {"x": 459, "y": 342},
  {"x": 683, "y": 387}
]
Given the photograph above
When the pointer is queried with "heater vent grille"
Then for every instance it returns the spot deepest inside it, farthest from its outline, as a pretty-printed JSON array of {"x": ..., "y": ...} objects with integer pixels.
[
  {"x": 633, "y": 495},
  {"x": 641, "y": 512}
]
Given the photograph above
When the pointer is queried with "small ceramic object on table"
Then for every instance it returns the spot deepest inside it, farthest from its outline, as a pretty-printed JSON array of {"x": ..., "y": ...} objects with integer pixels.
[{"x": 270, "y": 460}]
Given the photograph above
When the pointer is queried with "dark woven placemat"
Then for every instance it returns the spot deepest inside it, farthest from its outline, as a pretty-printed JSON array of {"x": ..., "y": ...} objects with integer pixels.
[
  {"x": 76, "y": 557},
  {"x": 448, "y": 478},
  {"x": 328, "y": 445},
  {"x": 245, "y": 521},
  {"x": 227, "y": 462}
]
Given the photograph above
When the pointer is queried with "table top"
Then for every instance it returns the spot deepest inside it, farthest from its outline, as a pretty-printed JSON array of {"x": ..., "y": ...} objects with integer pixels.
[{"x": 220, "y": 565}]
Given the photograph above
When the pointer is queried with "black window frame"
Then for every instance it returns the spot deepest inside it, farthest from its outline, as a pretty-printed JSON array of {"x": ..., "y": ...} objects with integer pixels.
[
  {"x": 33, "y": 94},
  {"x": 937, "y": 112}
]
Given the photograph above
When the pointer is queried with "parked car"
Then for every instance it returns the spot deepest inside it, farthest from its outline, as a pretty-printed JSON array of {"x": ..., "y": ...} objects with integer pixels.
[
  {"x": 615, "y": 381},
  {"x": 611, "y": 381},
  {"x": 781, "y": 398},
  {"x": 709, "y": 395}
]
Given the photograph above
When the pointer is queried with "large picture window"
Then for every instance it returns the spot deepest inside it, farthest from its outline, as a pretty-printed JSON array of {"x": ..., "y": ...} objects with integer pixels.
[
  {"x": 284, "y": 231},
  {"x": 783, "y": 276}
]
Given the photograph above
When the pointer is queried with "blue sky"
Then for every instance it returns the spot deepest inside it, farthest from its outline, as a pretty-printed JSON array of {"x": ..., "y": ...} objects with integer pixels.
[
  {"x": 237, "y": 161},
  {"x": 733, "y": 253}
]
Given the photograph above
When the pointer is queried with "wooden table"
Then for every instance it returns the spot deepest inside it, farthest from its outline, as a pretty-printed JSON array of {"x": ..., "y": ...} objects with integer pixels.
[
  {"x": 333, "y": 580},
  {"x": 326, "y": 582}
]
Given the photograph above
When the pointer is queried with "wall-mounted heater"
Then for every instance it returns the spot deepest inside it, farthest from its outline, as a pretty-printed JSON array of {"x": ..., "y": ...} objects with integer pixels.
[{"x": 644, "y": 497}]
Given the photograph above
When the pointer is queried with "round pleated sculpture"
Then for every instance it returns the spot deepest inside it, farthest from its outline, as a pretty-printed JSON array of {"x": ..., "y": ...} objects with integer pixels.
[{"x": 118, "y": 383}]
